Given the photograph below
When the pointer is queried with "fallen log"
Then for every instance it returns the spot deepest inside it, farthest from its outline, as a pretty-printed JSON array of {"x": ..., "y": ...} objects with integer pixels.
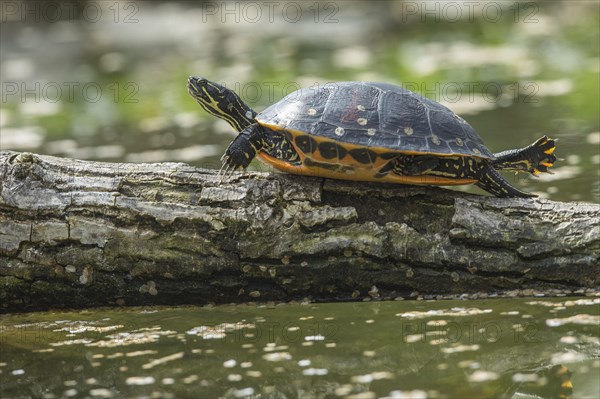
[{"x": 77, "y": 234}]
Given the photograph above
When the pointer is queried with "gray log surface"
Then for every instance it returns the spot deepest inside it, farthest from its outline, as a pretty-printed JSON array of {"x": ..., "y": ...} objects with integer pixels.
[{"x": 77, "y": 234}]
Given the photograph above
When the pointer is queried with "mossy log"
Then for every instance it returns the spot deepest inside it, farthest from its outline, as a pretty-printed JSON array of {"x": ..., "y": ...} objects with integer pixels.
[{"x": 76, "y": 234}]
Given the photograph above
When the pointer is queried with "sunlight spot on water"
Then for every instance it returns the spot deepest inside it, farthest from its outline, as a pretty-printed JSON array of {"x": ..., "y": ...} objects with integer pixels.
[
  {"x": 163, "y": 360},
  {"x": 562, "y": 173},
  {"x": 569, "y": 339},
  {"x": 415, "y": 394},
  {"x": 412, "y": 338},
  {"x": 438, "y": 341},
  {"x": 314, "y": 338},
  {"x": 593, "y": 138},
  {"x": 567, "y": 357},
  {"x": 22, "y": 138},
  {"x": 101, "y": 392},
  {"x": 436, "y": 332},
  {"x": 558, "y": 87},
  {"x": 5, "y": 117},
  {"x": 187, "y": 120},
  {"x": 573, "y": 159},
  {"x": 244, "y": 392},
  {"x": 352, "y": 57},
  {"x": 583, "y": 319},
  {"x": 188, "y": 154},
  {"x": 42, "y": 108},
  {"x": 437, "y": 323},
  {"x": 472, "y": 364},
  {"x": 190, "y": 379},
  {"x": 141, "y": 336},
  {"x": 444, "y": 312},
  {"x": 510, "y": 313},
  {"x": 272, "y": 348},
  {"x": 362, "y": 379},
  {"x": 111, "y": 62},
  {"x": 522, "y": 377},
  {"x": 97, "y": 152},
  {"x": 313, "y": 371},
  {"x": 461, "y": 348},
  {"x": 362, "y": 395},
  {"x": 344, "y": 390},
  {"x": 153, "y": 124},
  {"x": 482, "y": 375},
  {"x": 140, "y": 380},
  {"x": 71, "y": 342},
  {"x": 277, "y": 356}
]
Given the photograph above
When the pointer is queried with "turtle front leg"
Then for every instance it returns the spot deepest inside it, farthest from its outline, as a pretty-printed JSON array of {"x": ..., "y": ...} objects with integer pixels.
[{"x": 243, "y": 149}]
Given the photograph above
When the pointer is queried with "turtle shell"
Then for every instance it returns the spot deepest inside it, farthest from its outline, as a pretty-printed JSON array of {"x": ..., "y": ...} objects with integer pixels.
[{"x": 379, "y": 116}]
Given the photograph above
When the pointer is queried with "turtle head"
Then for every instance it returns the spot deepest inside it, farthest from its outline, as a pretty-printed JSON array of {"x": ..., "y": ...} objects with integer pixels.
[{"x": 221, "y": 102}]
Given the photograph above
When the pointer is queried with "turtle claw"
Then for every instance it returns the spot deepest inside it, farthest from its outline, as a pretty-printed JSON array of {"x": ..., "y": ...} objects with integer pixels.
[{"x": 228, "y": 167}]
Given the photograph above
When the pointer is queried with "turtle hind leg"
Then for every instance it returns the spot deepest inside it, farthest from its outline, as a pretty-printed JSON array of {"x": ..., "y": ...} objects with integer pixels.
[
  {"x": 493, "y": 182},
  {"x": 535, "y": 158}
]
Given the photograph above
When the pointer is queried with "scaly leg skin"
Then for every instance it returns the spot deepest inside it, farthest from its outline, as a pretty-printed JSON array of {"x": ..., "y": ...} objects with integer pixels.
[
  {"x": 487, "y": 177},
  {"x": 493, "y": 182},
  {"x": 242, "y": 150},
  {"x": 535, "y": 158}
]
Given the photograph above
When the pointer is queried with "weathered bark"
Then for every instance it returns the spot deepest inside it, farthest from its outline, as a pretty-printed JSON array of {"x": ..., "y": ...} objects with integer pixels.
[{"x": 77, "y": 233}]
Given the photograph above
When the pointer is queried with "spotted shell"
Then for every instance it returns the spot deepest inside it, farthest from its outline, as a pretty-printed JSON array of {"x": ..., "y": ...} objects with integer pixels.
[{"x": 375, "y": 115}]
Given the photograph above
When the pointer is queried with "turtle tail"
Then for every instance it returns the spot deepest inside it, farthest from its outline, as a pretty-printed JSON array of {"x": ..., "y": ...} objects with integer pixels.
[
  {"x": 493, "y": 182},
  {"x": 535, "y": 158}
]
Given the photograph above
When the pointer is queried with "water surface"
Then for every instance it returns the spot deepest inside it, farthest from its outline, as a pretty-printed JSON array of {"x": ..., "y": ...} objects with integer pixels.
[
  {"x": 397, "y": 349},
  {"x": 112, "y": 87}
]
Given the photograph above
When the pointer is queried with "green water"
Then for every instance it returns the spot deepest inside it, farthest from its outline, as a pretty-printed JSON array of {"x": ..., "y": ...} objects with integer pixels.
[
  {"x": 106, "y": 80},
  {"x": 401, "y": 349},
  {"x": 111, "y": 87}
]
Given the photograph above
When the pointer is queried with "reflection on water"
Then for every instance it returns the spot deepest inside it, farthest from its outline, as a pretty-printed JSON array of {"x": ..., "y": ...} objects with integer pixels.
[
  {"x": 112, "y": 87},
  {"x": 420, "y": 349}
]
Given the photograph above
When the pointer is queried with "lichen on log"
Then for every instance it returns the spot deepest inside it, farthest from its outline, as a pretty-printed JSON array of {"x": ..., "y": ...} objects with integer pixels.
[{"x": 77, "y": 233}]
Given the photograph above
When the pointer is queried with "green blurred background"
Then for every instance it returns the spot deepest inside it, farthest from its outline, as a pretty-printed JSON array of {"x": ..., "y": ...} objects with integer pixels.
[{"x": 105, "y": 80}]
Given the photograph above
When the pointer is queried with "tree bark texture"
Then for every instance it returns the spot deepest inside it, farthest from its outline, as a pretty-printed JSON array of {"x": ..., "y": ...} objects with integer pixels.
[{"x": 76, "y": 234}]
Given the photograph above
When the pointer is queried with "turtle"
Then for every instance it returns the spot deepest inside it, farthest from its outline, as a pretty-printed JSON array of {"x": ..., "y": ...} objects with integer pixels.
[{"x": 367, "y": 131}]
